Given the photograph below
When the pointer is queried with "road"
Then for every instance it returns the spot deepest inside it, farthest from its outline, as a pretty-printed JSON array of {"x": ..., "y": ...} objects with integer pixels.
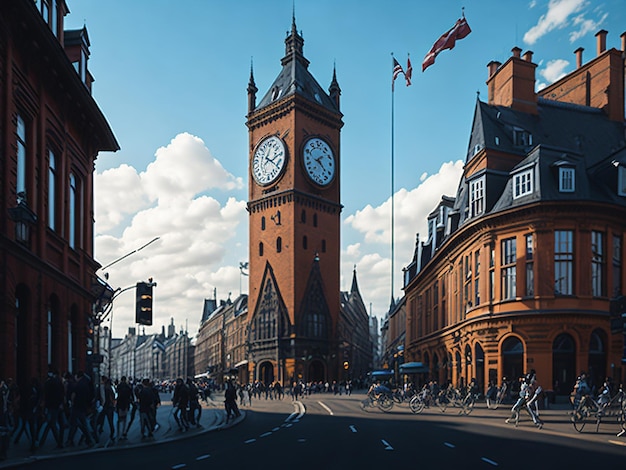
[{"x": 335, "y": 433}]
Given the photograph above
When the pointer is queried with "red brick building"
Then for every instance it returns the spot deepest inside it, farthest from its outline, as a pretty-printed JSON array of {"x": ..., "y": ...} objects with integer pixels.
[
  {"x": 519, "y": 268},
  {"x": 51, "y": 131}
]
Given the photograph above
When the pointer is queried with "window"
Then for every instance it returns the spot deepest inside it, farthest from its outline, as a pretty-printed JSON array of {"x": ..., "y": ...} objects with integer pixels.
[
  {"x": 522, "y": 184},
  {"x": 315, "y": 325},
  {"x": 51, "y": 190},
  {"x": 260, "y": 248},
  {"x": 563, "y": 262},
  {"x": 305, "y": 242},
  {"x": 279, "y": 245},
  {"x": 530, "y": 273},
  {"x": 303, "y": 216},
  {"x": 509, "y": 259},
  {"x": 263, "y": 223},
  {"x": 566, "y": 180},
  {"x": 314, "y": 220},
  {"x": 621, "y": 180},
  {"x": 597, "y": 264},
  {"x": 323, "y": 246},
  {"x": 477, "y": 197},
  {"x": 476, "y": 278},
  {"x": 20, "y": 187},
  {"x": 73, "y": 214},
  {"x": 617, "y": 265},
  {"x": 522, "y": 138}
]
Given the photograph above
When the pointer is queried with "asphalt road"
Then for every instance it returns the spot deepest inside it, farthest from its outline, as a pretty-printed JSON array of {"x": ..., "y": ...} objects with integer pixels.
[{"x": 335, "y": 433}]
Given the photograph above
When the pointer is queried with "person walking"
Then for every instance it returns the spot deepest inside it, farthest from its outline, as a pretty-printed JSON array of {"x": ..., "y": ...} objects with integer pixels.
[
  {"x": 107, "y": 399},
  {"x": 82, "y": 397},
  {"x": 122, "y": 406},
  {"x": 180, "y": 401},
  {"x": 53, "y": 405},
  {"x": 230, "y": 402},
  {"x": 146, "y": 408}
]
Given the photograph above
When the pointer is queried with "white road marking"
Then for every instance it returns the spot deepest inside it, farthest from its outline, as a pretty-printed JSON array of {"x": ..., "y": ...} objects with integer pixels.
[
  {"x": 288, "y": 425},
  {"x": 301, "y": 440},
  {"x": 202, "y": 457},
  {"x": 180, "y": 465},
  {"x": 249, "y": 441},
  {"x": 275, "y": 429},
  {"x": 352, "y": 428},
  {"x": 491, "y": 462},
  {"x": 447, "y": 444},
  {"x": 265, "y": 434},
  {"x": 387, "y": 445},
  {"x": 330, "y": 412},
  {"x": 618, "y": 443}
]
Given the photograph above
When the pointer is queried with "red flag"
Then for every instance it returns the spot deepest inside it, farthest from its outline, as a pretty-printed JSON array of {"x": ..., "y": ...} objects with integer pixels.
[
  {"x": 446, "y": 41},
  {"x": 409, "y": 71},
  {"x": 397, "y": 70}
]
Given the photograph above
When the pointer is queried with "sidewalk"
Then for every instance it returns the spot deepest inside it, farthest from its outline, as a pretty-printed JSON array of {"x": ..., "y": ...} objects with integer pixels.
[{"x": 213, "y": 418}]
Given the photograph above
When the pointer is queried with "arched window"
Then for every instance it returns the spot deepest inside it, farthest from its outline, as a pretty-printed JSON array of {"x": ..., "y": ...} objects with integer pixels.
[
  {"x": 279, "y": 245},
  {"x": 52, "y": 178},
  {"x": 260, "y": 248},
  {"x": 263, "y": 223}
]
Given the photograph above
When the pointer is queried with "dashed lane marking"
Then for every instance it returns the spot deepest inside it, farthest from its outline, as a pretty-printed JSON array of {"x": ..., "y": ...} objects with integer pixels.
[
  {"x": 489, "y": 461},
  {"x": 301, "y": 440},
  {"x": 265, "y": 434},
  {"x": 202, "y": 457},
  {"x": 276, "y": 429},
  {"x": 330, "y": 412},
  {"x": 249, "y": 441},
  {"x": 180, "y": 465},
  {"x": 352, "y": 428},
  {"x": 447, "y": 444},
  {"x": 387, "y": 445}
]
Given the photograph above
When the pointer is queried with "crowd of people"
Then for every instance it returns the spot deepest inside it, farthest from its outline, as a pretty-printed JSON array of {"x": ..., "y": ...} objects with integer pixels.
[{"x": 64, "y": 404}]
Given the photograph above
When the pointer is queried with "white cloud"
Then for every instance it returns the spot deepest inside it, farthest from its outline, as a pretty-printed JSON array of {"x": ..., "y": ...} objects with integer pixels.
[
  {"x": 556, "y": 17},
  {"x": 554, "y": 70},
  {"x": 585, "y": 26},
  {"x": 197, "y": 234},
  {"x": 372, "y": 255}
]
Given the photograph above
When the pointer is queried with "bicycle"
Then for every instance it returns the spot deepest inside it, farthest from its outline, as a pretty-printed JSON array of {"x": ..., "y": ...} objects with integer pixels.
[
  {"x": 587, "y": 408},
  {"x": 499, "y": 398},
  {"x": 379, "y": 398}
]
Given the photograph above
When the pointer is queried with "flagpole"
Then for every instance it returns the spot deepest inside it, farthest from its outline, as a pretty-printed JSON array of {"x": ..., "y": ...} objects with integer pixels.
[{"x": 392, "y": 192}]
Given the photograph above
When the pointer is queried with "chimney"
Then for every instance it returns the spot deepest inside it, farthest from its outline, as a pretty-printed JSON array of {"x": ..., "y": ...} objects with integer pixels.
[
  {"x": 579, "y": 57},
  {"x": 528, "y": 56},
  {"x": 600, "y": 42},
  {"x": 492, "y": 67},
  {"x": 513, "y": 84},
  {"x": 623, "y": 36}
]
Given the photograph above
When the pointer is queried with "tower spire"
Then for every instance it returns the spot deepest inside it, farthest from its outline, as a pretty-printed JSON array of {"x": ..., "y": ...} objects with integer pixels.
[
  {"x": 252, "y": 89},
  {"x": 334, "y": 91}
]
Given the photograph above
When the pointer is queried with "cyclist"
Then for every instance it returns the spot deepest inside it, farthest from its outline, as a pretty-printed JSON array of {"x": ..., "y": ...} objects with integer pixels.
[{"x": 581, "y": 388}]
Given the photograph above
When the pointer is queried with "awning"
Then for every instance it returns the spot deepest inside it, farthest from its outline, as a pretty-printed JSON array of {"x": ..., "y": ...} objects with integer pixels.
[
  {"x": 381, "y": 373},
  {"x": 413, "y": 368},
  {"x": 241, "y": 363}
]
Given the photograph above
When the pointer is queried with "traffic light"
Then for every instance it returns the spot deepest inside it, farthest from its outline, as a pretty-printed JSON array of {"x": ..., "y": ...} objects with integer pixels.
[
  {"x": 346, "y": 365},
  {"x": 90, "y": 335},
  {"x": 143, "y": 303}
]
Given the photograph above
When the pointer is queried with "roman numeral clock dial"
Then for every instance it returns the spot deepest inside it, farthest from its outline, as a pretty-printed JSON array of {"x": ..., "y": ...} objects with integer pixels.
[
  {"x": 268, "y": 161},
  {"x": 319, "y": 161}
]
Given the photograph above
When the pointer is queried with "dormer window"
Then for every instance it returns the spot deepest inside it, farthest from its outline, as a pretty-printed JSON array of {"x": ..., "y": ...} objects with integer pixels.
[
  {"x": 477, "y": 197},
  {"x": 49, "y": 12},
  {"x": 522, "y": 138},
  {"x": 476, "y": 149},
  {"x": 621, "y": 180},
  {"x": 81, "y": 66},
  {"x": 523, "y": 184},
  {"x": 567, "y": 181},
  {"x": 276, "y": 93}
]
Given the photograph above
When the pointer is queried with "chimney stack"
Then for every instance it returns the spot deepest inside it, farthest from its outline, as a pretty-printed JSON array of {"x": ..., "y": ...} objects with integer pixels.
[
  {"x": 623, "y": 36},
  {"x": 493, "y": 66},
  {"x": 600, "y": 42},
  {"x": 579, "y": 57},
  {"x": 528, "y": 56},
  {"x": 513, "y": 84},
  {"x": 516, "y": 52}
]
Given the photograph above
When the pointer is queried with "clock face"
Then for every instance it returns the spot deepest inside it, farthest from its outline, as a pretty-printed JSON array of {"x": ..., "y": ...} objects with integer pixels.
[
  {"x": 269, "y": 160},
  {"x": 319, "y": 161}
]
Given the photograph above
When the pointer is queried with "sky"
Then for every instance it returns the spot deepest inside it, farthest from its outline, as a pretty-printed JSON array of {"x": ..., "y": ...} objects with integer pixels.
[{"x": 171, "y": 79}]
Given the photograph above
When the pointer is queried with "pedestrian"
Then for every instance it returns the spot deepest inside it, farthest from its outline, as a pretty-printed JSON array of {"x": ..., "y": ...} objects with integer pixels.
[
  {"x": 5, "y": 428},
  {"x": 230, "y": 402},
  {"x": 82, "y": 400},
  {"x": 157, "y": 404},
  {"x": 122, "y": 406},
  {"x": 53, "y": 405},
  {"x": 180, "y": 401},
  {"x": 137, "y": 387},
  {"x": 30, "y": 412},
  {"x": 195, "y": 409},
  {"x": 107, "y": 399},
  {"x": 146, "y": 407}
]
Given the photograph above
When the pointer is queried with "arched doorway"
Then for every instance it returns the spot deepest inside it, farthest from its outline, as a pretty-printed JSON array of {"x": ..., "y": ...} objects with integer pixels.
[
  {"x": 316, "y": 371},
  {"x": 563, "y": 364},
  {"x": 266, "y": 372},
  {"x": 597, "y": 358},
  {"x": 479, "y": 359},
  {"x": 512, "y": 358},
  {"x": 22, "y": 355}
]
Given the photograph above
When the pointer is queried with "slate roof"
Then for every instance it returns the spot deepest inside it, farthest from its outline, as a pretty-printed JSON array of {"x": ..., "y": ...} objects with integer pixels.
[{"x": 295, "y": 78}]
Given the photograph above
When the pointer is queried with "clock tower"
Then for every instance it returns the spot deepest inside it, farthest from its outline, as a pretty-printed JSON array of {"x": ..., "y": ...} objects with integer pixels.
[{"x": 294, "y": 211}]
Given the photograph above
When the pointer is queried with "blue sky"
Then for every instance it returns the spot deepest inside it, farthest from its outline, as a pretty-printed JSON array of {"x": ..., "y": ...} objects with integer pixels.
[{"x": 171, "y": 78}]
